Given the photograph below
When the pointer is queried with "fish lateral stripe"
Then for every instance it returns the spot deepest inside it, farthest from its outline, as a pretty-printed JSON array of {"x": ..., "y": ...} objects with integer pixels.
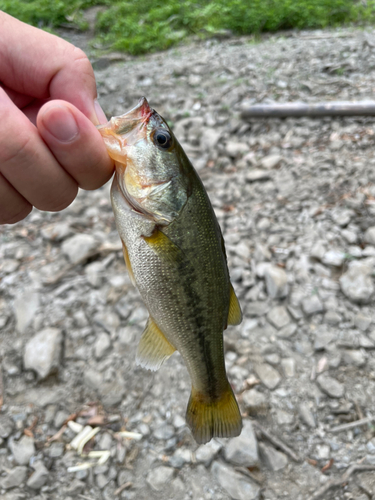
[{"x": 209, "y": 418}]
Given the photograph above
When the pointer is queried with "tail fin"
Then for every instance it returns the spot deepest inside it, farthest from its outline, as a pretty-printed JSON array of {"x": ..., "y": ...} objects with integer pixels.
[{"x": 208, "y": 419}]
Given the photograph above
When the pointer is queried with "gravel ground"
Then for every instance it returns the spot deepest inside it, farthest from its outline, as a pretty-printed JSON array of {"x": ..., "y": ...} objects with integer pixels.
[{"x": 296, "y": 201}]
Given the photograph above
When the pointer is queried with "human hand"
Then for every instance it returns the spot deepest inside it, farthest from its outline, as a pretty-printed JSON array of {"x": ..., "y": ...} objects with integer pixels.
[{"x": 49, "y": 145}]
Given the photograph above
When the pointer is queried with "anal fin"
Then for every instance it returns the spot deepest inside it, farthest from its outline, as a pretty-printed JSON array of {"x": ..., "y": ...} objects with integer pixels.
[
  {"x": 235, "y": 313},
  {"x": 163, "y": 246},
  {"x": 127, "y": 263},
  {"x": 153, "y": 348}
]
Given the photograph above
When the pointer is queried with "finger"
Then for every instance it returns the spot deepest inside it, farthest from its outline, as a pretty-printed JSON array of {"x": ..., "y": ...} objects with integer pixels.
[
  {"x": 28, "y": 165},
  {"x": 36, "y": 63},
  {"x": 13, "y": 206},
  {"x": 20, "y": 100},
  {"x": 76, "y": 144}
]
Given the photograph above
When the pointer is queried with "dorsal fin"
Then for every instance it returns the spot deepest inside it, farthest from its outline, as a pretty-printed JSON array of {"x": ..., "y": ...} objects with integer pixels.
[{"x": 153, "y": 348}]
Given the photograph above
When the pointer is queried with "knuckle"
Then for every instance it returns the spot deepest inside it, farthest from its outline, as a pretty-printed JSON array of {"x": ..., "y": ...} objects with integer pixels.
[{"x": 13, "y": 151}]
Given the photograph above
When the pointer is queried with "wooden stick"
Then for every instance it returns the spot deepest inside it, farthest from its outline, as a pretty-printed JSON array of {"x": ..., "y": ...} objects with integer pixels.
[
  {"x": 336, "y": 482},
  {"x": 350, "y": 425},
  {"x": 332, "y": 108},
  {"x": 277, "y": 442}
]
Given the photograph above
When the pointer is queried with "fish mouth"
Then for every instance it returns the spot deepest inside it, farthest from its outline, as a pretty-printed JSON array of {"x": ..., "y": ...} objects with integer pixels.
[{"x": 127, "y": 129}]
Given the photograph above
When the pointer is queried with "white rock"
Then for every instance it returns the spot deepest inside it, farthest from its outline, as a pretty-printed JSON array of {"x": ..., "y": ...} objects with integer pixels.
[
  {"x": 78, "y": 248},
  {"x": 268, "y": 375},
  {"x": 25, "y": 307},
  {"x": 271, "y": 161},
  {"x": 369, "y": 236},
  {"x": 333, "y": 258},
  {"x": 158, "y": 477},
  {"x": 278, "y": 317},
  {"x": 43, "y": 351},
  {"x": 236, "y": 485},
  {"x": 276, "y": 282},
  {"x": 102, "y": 345},
  {"x": 273, "y": 459},
  {"x": 207, "y": 452},
  {"x": 243, "y": 450},
  {"x": 357, "y": 283},
  {"x": 23, "y": 450}
]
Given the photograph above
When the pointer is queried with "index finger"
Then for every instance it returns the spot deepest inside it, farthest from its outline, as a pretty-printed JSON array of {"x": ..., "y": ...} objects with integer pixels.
[{"x": 41, "y": 65}]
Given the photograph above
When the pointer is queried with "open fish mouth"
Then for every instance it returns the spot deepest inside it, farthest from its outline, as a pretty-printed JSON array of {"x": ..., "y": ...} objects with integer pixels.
[{"x": 127, "y": 129}]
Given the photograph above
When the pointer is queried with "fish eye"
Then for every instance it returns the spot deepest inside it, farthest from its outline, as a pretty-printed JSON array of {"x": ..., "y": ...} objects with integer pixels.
[{"x": 162, "y": 138}]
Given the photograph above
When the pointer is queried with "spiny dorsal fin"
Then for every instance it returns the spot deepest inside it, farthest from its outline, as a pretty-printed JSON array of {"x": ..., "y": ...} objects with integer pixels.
[
  {"x": 163, "y": 246},
  {"x": 235, "y": 313},
  {"x": 153, "y": 348},
  {"x": 127, "y": 263}
]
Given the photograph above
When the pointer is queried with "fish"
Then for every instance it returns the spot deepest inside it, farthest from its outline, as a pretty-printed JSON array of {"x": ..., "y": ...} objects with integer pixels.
[{"x": 175, "y": 255}]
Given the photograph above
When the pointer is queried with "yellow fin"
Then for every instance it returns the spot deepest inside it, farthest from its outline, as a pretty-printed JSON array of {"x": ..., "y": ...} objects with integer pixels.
[
  {"x": 153, "y": 348},
  {"x": 235, "y": 313},
  {"x": 127, "y": 263},
  {"x": 208, "y": 419},
  {"x": 163, "y": 246}
]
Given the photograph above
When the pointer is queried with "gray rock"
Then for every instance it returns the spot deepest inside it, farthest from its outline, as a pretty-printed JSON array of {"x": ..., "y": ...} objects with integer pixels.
[
  {"x": 25, "y": 307},
  {"x": 14, "y": 478},
  {"x": 274, "y": 460},
  {"x": 287, "y": 331},
  {"x": 236, "y": 149},
  {"x": 271, "y": 161},
  {"x": 254, "y": 401},
  {"x": 278, "y": 317},
  {"x": 158, "y": 477},
  {"x": 284, "y": 417},
  {"x": 306, "y": 415},
  {"x": 333, "y": 258},
  {"x": 330, "y": 386},
  {"x": 289, "y": 367},
  {"x": 276, "y": 282},
  {"x": 102, "y": 345},
  {"x": 243, "y": 450},
  {"x": 6, "y": 426},
  {"x": 255, "y": 175},
  {"x": 236, "y": 485},
  {"x": 180, "y": 457},
  {"x": 332, "y": 318},
  {"x": 357, "y": 283},
  {"x": 39, "y": 477},
  {"x": 312, "y": 305},
  {"x": 207, "y": 452},
  {"x": 369, "y": 235},
  {"x": 257, "y": 308},
  {"x": 56, "y": 450},
  {"x": 79, "y": 248},
  {"x": 268, "y": 375},
  {"x": 354, "y": 357},
  {"x": 94, "y": 273},
  {"x": 43, "y": 351},
  {"x": 362, "y": 322},
  {"x": 101, "y": 481},
  {"x": 56, "y": 232},
  {"x": 165, "y": 431},
  {"x": 23, "y": 449}
]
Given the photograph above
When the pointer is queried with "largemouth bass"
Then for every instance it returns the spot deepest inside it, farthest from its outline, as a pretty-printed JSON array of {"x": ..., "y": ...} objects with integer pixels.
[{"x": 175, "y": 255}]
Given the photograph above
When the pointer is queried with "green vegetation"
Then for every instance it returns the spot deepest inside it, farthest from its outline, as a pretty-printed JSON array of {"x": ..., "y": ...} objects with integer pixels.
[{"x": 140, "y": 26}]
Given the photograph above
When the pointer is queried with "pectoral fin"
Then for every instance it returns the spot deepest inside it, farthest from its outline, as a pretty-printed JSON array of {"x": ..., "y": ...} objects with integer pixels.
[
  {"x": 164, "y": 247},
  {"x": 235, "y": 313},
  {"x": 153, "y": 348},
  {"x": 127, "y": 263}
]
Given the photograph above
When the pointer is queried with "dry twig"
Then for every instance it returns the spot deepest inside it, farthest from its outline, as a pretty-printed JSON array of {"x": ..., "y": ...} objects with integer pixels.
[
  {"x": 337, "y": 482},
  {"x": 123, "y": 487},
  {"x": 277, "y": 442},
  {"x": 350, "y": 425}
]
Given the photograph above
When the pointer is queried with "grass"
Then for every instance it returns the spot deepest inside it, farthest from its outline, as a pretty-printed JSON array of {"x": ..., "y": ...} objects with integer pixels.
[{"x": 139, "y": 27}]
